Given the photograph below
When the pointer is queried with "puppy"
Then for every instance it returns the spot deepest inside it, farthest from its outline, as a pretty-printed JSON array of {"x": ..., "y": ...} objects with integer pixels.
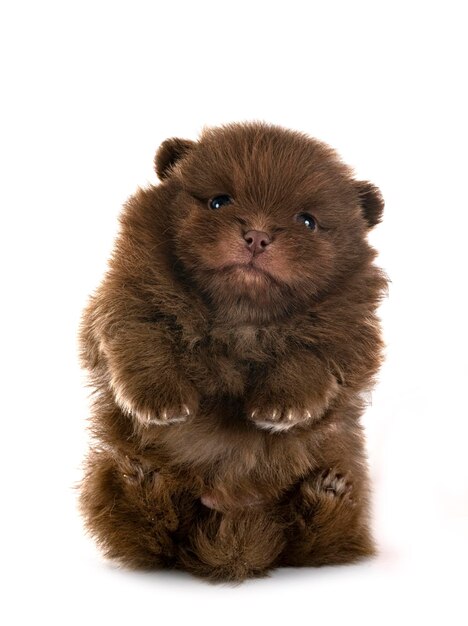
[{"x": 229, "y": 346}]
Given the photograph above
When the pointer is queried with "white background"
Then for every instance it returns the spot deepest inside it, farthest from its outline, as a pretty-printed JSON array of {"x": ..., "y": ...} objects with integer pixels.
[{"x": 89, "y": 90}]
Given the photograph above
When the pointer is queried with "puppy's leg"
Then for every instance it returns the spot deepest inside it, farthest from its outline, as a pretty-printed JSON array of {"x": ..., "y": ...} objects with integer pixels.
[
  {"x": 131, "y": 510},
  {"x": 233, "y": 546},
  {"x": 145, "y": 378},
  {"x": 139, "y": 356},
  {"x": 330, "y": 513}
]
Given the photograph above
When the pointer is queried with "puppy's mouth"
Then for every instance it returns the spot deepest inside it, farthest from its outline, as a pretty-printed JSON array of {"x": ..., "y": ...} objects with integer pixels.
[
  {"x": 249, "y": 271},
  {"x": 249, "y": 268}
]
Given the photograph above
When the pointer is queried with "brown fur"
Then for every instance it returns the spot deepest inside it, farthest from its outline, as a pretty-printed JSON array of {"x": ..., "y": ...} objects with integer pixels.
[{"x": 193, "y": 359}]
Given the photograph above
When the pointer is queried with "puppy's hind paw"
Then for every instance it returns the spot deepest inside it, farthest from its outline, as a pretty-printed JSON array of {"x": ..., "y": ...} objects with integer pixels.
[{"x": 334, "y": 484}]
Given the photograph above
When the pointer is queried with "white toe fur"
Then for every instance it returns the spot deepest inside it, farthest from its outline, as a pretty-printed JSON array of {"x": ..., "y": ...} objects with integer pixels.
[{"x": 274, "y": 427}]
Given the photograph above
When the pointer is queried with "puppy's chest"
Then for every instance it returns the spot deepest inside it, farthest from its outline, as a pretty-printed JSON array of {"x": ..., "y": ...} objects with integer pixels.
[
  {"x": 226, "y": 360},
  {"x": 247, "y": 342}
]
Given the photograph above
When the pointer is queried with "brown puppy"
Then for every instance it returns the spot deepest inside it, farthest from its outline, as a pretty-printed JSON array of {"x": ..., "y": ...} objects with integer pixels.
[{"x": 229, "y": 345}]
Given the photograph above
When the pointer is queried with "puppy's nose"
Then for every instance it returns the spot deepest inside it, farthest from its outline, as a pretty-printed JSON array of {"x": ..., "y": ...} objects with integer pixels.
[{"x": 257, "y": 241}]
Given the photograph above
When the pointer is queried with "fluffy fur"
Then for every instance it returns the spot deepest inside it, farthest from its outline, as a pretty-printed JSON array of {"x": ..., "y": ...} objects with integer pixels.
[{"x": 229, "y": 368}]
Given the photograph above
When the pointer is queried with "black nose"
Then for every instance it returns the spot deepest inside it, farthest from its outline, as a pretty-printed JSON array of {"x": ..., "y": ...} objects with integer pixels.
[{"x": 257, "y": 241}]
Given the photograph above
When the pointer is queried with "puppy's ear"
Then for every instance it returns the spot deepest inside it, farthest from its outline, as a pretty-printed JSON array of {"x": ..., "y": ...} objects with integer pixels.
[
  {"x": 372, "y": 202},
  {"x": 169, "y": 152}
]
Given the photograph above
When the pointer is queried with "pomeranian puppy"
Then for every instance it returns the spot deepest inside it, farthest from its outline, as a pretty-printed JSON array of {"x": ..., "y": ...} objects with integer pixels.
[{"x": 229, "y": 346}]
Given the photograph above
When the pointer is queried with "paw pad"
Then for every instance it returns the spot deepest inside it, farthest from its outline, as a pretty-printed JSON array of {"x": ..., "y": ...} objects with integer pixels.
[{"x": 333, "y": 483}]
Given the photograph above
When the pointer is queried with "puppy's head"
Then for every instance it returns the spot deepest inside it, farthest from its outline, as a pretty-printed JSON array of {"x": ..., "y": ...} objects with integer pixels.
[{"x": 265, "y": 218}]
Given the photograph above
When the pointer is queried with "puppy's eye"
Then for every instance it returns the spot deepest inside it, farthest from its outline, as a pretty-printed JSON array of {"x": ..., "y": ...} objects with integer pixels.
[
  {"x": 218, "y": 201},
  {"x": 307, "y": 220}
]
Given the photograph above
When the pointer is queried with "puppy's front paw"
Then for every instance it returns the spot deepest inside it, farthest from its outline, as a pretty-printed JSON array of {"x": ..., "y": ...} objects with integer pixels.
[
  {"x": 271, "y": 411},
  {"x": 163, "y": 416},
  {"x": 280, "y": 418},
  {"x": 156, "y": 411}
]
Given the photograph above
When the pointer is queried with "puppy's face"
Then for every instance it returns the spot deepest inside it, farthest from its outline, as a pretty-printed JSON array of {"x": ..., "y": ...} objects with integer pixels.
[{"x": 265, "y": 217}]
